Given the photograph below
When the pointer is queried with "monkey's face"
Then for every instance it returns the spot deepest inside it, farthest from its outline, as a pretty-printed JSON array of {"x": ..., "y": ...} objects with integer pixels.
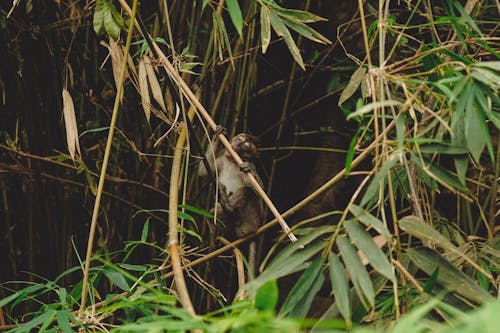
[{"x": 245, "y": 146}]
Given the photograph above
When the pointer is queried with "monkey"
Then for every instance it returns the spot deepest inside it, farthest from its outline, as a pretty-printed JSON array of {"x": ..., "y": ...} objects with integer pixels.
[{"x": 238, "y": 204}]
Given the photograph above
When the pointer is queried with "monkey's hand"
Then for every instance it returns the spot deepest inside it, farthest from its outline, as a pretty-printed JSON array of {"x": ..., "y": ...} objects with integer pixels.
[
  {"x": 220, "y": 130},
  {"x": 245, "y": 167}
]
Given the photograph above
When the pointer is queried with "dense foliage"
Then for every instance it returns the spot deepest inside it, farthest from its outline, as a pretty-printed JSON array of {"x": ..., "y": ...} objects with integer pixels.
[{"x": 378, "y": 124}]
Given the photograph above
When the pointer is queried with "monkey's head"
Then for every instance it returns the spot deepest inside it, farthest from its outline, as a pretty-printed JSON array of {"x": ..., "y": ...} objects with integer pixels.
[{"x": 245, "y": 145}]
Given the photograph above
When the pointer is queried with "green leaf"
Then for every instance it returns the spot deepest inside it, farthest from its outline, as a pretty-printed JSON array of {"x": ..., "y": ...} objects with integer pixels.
[
  {"x": 340, "y": 287},
  {"x": 235, "y": 14},
  {"x": 353, "y": 84},
  {"x": 372, "y": 106},
  {"x": 449, "y": 276},
  {"x": 98, "y": 22},
  {"x": 440, "y": 175},
  {"x": 350, "y": 154},
  {"x": 372, "y": 252},
  {"x": 370, "y": 221},
  {"x": 306, "y": 31},
  {"x": 418, "y": 228},
  {"x": 300, "y": 297},
  {"x": 282, "y": 31},
  {"x": 63, "y": 320},
  {"x": 46, "y": 316},
  {"x": 196, "y": 210},
  {"x": 289, "y": 260},
  {"x": 265, "y": 28},
  {"x": 378, "y": 181},
  {"x": 442, "y": 148},
  {"x": 62, "y": 293},
  {"x": 401, "y": 131},
  {"x": 267, "y": 296},
  {"x": 145, "y": 231},
  {"x": 110, "y": 25},
  {"x": 359, "y": 275},
  {"x": 294, "y": 14},
  {"x": 474, "y": 134},
  {"x": 9, "y": 299},
  {"x": 117, "y": 279},
  {"x": 431, "y": 282}
]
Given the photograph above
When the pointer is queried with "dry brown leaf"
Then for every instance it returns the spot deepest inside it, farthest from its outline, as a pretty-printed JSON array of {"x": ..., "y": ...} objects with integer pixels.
[
  {"x": 116, "y": 53},
  {"x": 154, "y": 84},
  {"x": 143, "y": 88},
  {"x": 70, "y": 124}
]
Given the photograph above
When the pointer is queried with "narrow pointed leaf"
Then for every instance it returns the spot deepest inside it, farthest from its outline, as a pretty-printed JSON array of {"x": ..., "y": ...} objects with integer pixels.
[
  {"x": 298, "y": 299},
  {"x": 234, "y": 10},
  {"x": 370, "y": 221},
  {"x": 306, "y": 31},
  {"x": 449, "y": 276},
  {"x": 359, "y": 275},
  {"x": 282, "y": 31},
  {"x": 265, "y": 28},
  {"x": 418, "y": 228},
  {"x": 353, "y": 84},
  {"x": 372, "y": 252},
  {"x": 340, "y": 287}
]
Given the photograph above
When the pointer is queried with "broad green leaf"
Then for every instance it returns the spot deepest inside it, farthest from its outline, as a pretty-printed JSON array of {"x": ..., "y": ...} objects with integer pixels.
[
  {"x": 370, "y": 221},
  {"x": 461, "y": 164},
  {"x": 265, "y": 28},
  {"x": 110, "y": 25},
  {"x": 300, "y": 297},
  {"x": 473, "y": 130},
  {"x": 117, "y": 279},
  {"x": 306, "y": 31},
  {"x": 62, "y": 293},
  {"x": 442, "y": 148},
  {"x": 449, "y": 276},
  {"x": 9, "y": 299},
  {"x": 353, "y": 84},
  {"x": 372, "y": 252},
  {"x": 282, "y": 31},
  {"x": 63, "y": 320},
  {"x": 359, "y": 275},
  {"x": 414, "y": 322},
  {"x": 98, "y": 22},
  {"x": 418, "y": 228},
  {"x": 340, "y": 287},
  {"x": 235, "y": 14},
  {"x": 267, "y": 296},
  {"x": 372, "y": 106}
]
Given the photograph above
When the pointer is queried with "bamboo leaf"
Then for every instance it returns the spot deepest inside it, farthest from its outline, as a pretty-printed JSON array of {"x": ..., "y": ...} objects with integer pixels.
[
  {"x": 117, "y": 279},
  {"x": 72, "y": 140},
  {"x": 154, "y": 85},
  {"x": 353, "y": 84},
  {"x": 282, "y": 31},
  {"x": 370, "y": 221},
  {"x": 267, "y": 296},
  {"x": 300, "y": 297},
  {"x": 340, "y": 287},
  {"x": 359, "y": 275},
  {"x": 371, "y": 251},
  {"x": 306, "y": 31},
  {"x": 418, "y": 228},
  {"x": 474, "y": 130},
  {"x": 378, "y": 181},
  {"x": 265, "y": 28},
  {"x": 63, "y": 321},
  {"x": 294, "y": 14},
  {"x": 234, "y": 10},
  {"x": 144, "y": 89},
  {"x": 372, "y": 106},
  {"x": 449, "y": 276}
]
